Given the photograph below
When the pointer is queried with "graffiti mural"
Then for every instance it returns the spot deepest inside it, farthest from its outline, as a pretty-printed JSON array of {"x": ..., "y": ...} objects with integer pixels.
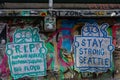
[
  {"x": 26, "y": 54},
  {"x": 91, "y": 55}
]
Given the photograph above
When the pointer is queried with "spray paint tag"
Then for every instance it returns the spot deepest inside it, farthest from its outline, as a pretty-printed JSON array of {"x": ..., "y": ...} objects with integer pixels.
[
  {"x": 26, "y": 54},
  {"x": 25, "y": 13},
  {"x": 93, "y": 49}
]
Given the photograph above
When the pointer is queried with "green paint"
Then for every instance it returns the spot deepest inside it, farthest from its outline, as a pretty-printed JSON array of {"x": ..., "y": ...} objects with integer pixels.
[
  {"x": 31, "y": 46},
  {"x": 26, "y": 54},
  {"x": 17, "y": 49},
  {"x": 25, "y": 49},
  {"x": 109, "y": 30}
]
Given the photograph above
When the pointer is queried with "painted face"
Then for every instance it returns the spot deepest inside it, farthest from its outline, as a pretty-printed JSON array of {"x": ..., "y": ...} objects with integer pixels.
[
  {"x": 23, "y": 36},
  {"x": 26, "y": 35},
  {"x": 90, "y": 30}
]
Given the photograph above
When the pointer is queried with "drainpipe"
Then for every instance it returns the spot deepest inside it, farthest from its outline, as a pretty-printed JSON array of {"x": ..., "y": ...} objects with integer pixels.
[{"x": 50, "y": 4}]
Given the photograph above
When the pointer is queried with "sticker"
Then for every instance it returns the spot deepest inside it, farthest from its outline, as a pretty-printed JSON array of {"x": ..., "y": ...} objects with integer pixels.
[
  {"x": 50, "y": 23},
  {"x": 93, "y": 48},
  {"x": 26, "y": 54}
]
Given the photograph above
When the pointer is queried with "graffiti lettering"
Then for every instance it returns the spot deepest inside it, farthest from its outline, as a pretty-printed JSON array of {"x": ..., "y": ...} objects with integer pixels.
[
  {"x": 94, "y": 61},
  {"x": 31, "y": 67},
  {"x": 91, "y": 51},
  {"x": 66, "y": 13},
  {"x": 92, "y": 42}
]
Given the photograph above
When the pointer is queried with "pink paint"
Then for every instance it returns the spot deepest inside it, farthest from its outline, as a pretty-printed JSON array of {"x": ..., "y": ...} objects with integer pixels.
[
  {"x": 114, "y": 30},
  {"x": 10, "y": 37},
  {"x": 55, "y": 33},
  {"x": 58, "y": 49},
  {"x": 49, "y": 62},
  {"x": 3, "y": 66},
  {"x": 65, "y": 64}
]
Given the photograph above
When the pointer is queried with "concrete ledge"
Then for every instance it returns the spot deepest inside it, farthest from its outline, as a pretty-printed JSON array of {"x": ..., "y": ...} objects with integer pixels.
[{"x": 60, "y": 6}]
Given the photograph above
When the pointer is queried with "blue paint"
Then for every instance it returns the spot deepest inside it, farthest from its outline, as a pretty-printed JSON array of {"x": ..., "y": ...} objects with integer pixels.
[
  {"x": 93, "y": 30},
  {"x": 100, "y": 42},
  {"x": 89, "y": 61},
  {"x": 95, "y": 43},
  {"x": 103, "y": 29},
  {"x": 93, "y": 48},
  {"x": 66, "y": 43},
  {"x": 80, "y": 51},
  {"x": 82, "y": 60},
  {"x": 93, "y": 61},
  {"x": 83, "y": 42},
  {"x": 90, "y": 42},
  {"x": 106, "y": 61},
  {"x": 90, "y": 30},
  {"x": 99, "y": 52}
]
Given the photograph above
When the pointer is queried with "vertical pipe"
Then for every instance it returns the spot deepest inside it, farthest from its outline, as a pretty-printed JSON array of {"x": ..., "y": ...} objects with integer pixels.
[{"x": 50, "y": 4}]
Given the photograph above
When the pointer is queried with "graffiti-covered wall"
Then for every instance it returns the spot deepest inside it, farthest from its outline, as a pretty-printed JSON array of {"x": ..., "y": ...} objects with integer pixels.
[{"x": 35, "y": 48}]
